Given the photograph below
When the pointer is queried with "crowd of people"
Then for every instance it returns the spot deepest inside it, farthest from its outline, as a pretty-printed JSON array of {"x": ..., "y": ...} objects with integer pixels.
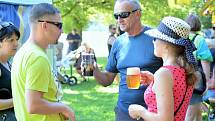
[{"x": 175, "y": 60}]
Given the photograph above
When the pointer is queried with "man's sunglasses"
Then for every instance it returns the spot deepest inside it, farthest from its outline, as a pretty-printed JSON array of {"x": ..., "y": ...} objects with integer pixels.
[
  {"x": 57, "y": 24},
  {"x": 5, "y": 25},
  {"x": 123, "y": 14}
]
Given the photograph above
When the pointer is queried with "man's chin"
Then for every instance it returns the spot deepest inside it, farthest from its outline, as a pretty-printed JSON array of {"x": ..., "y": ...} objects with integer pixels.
[{"x": 122, "y": 28}]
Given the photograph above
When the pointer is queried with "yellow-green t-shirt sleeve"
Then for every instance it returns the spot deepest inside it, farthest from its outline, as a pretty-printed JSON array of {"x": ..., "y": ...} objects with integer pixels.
[{"x": 37, "y": 76}]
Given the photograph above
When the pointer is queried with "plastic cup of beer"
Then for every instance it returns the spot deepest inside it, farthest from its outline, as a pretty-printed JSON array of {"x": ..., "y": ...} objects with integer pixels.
[
  {"x": 87, "y": 61},
  {"x": 133, "y": 77}
]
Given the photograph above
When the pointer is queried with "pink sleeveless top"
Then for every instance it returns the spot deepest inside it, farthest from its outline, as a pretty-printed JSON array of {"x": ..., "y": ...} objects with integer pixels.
[{"x": 179, "y": 90}]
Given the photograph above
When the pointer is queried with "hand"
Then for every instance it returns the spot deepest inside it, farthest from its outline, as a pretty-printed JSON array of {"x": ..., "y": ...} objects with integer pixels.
[
  {"x": 136, "y": 111},
  {"x": 146, "y": 77},
  {"x": 68, "y": 114},
  {"x": 82, "y": 66},
  {"x": 95, "y": 65}
]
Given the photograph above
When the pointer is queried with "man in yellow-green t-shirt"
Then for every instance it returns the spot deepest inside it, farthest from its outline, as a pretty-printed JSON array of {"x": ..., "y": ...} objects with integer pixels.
[{"x": 35, "y": 93}]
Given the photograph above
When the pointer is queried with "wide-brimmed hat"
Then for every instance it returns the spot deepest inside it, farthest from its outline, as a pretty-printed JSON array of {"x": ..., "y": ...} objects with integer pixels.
[{"x": 175, "y": 31}]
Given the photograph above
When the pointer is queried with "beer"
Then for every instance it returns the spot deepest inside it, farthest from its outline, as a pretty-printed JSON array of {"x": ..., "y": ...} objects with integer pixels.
[
  {"x": 133, "y": 77},
  {"x": 87, "y": 62}
]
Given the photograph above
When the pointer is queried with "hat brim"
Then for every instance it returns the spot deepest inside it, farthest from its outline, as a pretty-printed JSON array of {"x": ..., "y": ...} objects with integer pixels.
[{"x": 159, "y": 35}]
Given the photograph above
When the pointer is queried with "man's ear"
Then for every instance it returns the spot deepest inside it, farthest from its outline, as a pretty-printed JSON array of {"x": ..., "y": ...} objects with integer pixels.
[
  {"x": 4, "y": 40},
  {"x": 138, "y": 12}
]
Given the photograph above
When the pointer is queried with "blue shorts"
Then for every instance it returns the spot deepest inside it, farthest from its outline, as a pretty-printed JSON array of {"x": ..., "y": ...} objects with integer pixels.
[
  {"x": 121, "y": 116},
  {"x": 209, "y": 93}
]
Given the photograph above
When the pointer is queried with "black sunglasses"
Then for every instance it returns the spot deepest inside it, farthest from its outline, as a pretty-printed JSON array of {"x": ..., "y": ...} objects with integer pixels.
[
  {"x": 123, "y": 14},
  {"x": 57, "y": 24},
  {"x": 5, "y": 25}
]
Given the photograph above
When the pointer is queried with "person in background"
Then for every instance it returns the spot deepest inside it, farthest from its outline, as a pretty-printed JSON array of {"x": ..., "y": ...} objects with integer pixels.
[
  {"x": 119, "y": 31},
  {"x": 171, "y": 87},
  {"x": 112, "y": 37},
  {"x": 83, "y": 48},
  {"x": 132, "y": 49},
  {"x": 74, "y": 40},
  {"x": 210, "y": 93},
  {"x": 204, "y": 57},
  {"x": 36, "y": 94},
  {"x": 210, "y": 32},
  {"x": 210, "y": 40},
  {"x": 59, "y": 49},
  {"x": 9, "y": 36}
]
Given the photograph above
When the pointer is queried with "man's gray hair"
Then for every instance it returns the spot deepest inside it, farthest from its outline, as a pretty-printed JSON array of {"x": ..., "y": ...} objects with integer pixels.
[
  {"x": 134, "y": 3},
  {"x": 41, "y": 10}
]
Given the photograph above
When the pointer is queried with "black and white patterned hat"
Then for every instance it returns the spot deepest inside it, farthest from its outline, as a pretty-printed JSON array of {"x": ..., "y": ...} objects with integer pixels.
[{"x": 175, "y": 31}]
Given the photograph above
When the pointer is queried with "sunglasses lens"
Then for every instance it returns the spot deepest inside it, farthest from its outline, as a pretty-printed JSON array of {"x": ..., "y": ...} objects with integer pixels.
[
  {"x": 116, "y": 16},
  {"x": 60, "y": 25},
  {"x": 124, "y": 14}
]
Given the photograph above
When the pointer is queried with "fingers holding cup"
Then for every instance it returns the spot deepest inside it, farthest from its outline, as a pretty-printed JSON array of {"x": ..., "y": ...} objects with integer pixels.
[{"x": 135, "y": 111}]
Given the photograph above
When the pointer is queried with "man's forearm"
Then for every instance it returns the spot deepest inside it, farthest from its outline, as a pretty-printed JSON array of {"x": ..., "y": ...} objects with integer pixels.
[
  {"x": 6, "y": 104},
  {"x": 36, "y": 104},
  {"x": 45, "y": 107}
]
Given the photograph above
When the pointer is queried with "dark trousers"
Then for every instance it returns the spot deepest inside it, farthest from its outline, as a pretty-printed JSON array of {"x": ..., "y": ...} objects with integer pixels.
[{"x": 121, "y": 116}]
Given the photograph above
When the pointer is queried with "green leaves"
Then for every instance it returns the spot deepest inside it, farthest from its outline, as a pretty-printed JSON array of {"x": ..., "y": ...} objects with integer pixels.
[{"x": 79, "y": 13}]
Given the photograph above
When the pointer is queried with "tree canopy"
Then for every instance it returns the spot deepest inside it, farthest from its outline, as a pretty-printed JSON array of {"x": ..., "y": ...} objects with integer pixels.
[{"x": 79, "y": 13}]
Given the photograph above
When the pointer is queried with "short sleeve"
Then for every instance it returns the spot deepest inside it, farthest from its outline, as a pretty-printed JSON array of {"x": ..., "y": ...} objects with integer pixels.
[
  {"x": 203, "y": 52},
  {"x": 112, "y": 59},
  {"x": 38, "y": 74}
]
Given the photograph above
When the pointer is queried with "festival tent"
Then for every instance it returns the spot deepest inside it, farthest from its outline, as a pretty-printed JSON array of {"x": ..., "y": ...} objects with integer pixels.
[{"x": 17, "y": 12}]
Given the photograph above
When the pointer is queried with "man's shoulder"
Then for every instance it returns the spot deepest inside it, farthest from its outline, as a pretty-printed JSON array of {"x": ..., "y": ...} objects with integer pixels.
[
  {"x": 145, "y": 28},
  {"x": 30, "y": 51}
]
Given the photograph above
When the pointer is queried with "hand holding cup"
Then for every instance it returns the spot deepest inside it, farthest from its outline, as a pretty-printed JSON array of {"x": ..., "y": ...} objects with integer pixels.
[
  {"x": 136, "y": 111},
  {"x": 87, "y": 63},
  {"x": 146, "y": 77}
]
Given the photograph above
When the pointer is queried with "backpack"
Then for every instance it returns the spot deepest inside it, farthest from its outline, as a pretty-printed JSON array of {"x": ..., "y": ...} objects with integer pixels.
[{"x": 200, "y": 86}]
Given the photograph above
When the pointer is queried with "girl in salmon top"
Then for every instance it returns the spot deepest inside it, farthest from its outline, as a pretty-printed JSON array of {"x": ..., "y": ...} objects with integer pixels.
[{"x": 171, "y": 87}]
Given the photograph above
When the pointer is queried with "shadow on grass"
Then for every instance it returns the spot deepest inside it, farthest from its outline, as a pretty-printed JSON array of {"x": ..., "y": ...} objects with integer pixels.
[{"x": 91, "y": 101}]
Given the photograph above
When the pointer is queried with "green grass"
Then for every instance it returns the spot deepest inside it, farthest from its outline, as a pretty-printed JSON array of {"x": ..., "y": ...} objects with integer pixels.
[{"x": 91, "y": 101}]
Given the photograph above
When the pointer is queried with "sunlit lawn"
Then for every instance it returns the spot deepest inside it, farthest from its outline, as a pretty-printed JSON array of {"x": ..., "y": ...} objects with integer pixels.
[{"x": 91, "y": 101}]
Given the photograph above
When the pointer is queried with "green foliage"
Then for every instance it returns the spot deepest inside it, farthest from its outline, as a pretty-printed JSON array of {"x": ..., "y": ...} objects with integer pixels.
[
  {"x": 206, "y": 21},
  {"x": 79, "y": 13},
  {"x": 154, "y": 11}
]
